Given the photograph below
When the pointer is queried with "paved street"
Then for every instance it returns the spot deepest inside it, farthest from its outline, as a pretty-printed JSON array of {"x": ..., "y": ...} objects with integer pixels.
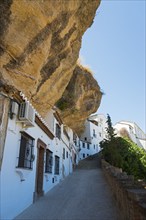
[{"x": 83, "y": 195}]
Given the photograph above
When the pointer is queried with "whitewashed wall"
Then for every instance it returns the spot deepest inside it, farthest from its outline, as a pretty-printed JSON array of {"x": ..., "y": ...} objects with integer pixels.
[
  {"x": 91, "y": 137},
  {"x": 17, "y": 195},
  {"x": 84, "y": 152},
  {"x": 135, "y": 133}
]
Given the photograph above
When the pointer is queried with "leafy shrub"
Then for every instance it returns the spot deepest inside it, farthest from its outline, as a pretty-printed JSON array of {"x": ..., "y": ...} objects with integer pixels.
[
  {"x": 62, "y": 104},
  {"x": 125, "y": 154}
]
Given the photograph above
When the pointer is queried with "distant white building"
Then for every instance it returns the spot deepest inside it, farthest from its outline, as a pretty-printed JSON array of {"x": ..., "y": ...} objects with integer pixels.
[
  {"x": 131, "y": 129},
  {"x": 95, "y": 131},
  {"x": 76, "y": 145},
  {"x": 35, "y": 154}
]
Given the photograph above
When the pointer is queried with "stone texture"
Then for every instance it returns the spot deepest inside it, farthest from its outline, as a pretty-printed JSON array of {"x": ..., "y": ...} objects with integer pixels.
[
  {"x": 39, "y": 46},
  {"x": 129, "y": 193},
  {"x": 81, "y": 98}
]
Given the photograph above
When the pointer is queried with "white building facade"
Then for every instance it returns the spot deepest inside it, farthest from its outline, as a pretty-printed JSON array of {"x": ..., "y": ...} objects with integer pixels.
[
  {"x": 134, "y": 132},
  {"x": 37, "y": 155},
  {"x": 95, "y": 131}
]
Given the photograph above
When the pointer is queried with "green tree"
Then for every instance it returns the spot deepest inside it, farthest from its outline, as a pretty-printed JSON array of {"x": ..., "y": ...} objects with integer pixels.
[
  {"x": 125, "y": 154},
  {"x": 110, "y": 130}
]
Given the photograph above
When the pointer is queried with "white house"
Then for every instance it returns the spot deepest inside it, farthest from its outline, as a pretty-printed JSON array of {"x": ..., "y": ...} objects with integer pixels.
[
  {"x": 70, "y": 151},
  {"x": 132, "y": 130},
  {"x": 36, "y": 154},
  {"x": 76, "y": 146},
  {"x": 94, "y": 133}
]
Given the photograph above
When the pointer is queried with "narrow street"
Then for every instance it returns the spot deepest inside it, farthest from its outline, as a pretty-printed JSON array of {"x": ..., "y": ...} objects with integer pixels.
[{"x": 84, "y": 195}]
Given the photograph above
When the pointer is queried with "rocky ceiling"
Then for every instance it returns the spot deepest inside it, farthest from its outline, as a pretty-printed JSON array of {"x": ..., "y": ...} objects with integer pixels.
[{"x": 39, "y": 48}]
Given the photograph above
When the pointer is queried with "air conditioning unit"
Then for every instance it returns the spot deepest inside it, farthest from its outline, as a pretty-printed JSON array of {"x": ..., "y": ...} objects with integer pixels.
[
  {"x": 27, "y": 114},
  {"x": 14, "y": 108}
]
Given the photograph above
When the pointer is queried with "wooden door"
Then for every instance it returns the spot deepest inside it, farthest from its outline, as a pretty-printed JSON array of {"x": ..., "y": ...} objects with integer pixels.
[{"x": 40, "y": 168}]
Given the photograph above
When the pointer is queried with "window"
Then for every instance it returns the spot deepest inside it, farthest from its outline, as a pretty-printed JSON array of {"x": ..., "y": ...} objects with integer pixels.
[
  {"x": 131, "y": 129},
  {"x": 75, "y": 142},
  {"x": 94, "y": 135},
  {"x": 83, "y": 155},
  {"x": 56, "y": 165},
  {"x": 83, "y": 145},
  {"x": 63, "y": 153},
  {"x": 94, "y": 146},
  {"x": 75, "y": 158},
  {"x": 58, "y": 131},
  {"x": 65, "y": 133},
  {"x": 85, "y": 139},
  {"x": 49, "y": 161},
  {"x": 100, "y": 134},
  {"x": 88, "y": 146},
  {"x": 66, "y": 154},
  {"x": 26, "y": 156}
]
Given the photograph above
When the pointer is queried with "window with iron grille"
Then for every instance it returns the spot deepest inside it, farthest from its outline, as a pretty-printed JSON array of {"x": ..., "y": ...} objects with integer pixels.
[
  {"x": 63, "y": 153},
  {"x": 26, "y": 155},
  {"x": 66, "y": 154},
  {"x": 49, "y": 161},
  {"x": 58, "y": 131},
  {"x": 56, "y": 165}
]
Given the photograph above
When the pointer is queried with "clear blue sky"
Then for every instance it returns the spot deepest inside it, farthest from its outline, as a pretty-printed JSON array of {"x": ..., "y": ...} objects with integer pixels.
[{"x": 114, "y": 49}]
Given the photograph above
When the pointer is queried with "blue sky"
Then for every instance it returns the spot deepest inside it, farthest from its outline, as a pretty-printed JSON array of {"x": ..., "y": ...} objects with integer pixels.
[{"x": 114, "y": 49}]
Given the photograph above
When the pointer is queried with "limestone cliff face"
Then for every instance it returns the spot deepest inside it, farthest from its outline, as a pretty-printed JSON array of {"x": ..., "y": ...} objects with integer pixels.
[
  {"x": 39, "y": 46},
  {"x": 81, "y": 98}
]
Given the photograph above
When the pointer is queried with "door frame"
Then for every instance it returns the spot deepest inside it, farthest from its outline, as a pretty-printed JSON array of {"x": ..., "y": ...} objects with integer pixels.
[{"x": 40, "y": 144}]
